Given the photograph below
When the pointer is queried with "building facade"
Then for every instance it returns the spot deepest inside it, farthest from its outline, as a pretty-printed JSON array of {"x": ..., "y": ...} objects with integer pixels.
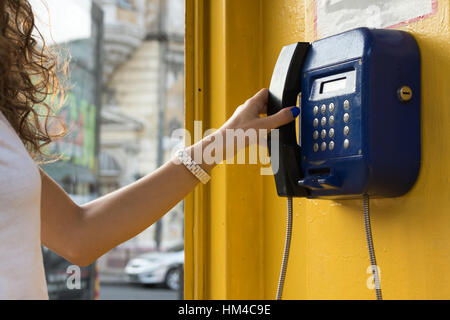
[
  {"x": 77, "y": 172},
  {"x": 143, "y": 98}
]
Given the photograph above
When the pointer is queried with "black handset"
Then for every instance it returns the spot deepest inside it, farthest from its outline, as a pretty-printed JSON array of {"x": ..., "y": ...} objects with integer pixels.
[{"x": 284, "y": 89}]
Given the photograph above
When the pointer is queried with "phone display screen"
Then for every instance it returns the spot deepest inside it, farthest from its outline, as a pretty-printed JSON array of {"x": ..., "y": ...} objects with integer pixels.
[{"x": 333, "y": 85}]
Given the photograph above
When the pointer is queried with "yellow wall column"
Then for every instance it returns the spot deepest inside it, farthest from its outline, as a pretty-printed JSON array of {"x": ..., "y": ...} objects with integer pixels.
[
  {"x": 235, "y": 225},
  {"x": 224, "y": 229}
]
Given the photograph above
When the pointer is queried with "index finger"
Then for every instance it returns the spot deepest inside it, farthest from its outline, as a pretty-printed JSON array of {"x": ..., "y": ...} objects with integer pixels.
[{"x": 259, "y": 100}]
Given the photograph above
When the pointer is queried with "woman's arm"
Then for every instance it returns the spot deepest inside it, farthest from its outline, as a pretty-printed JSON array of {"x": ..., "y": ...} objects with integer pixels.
[{"x": 81, "y": 234}]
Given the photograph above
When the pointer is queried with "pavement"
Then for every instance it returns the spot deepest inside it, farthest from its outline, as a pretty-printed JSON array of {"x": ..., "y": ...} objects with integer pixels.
[
  {"x": 127, "y": 291},
  {"x": 116, "y": 287},
  {"x": 106, "y": 278}
]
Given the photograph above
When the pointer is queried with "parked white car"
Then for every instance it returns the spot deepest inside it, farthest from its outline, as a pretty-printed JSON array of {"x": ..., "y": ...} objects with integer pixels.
[{"x": 157, "y": 268}]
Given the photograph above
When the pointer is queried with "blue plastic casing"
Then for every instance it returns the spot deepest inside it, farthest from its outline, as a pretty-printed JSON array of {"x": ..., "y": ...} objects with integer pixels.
[{"x": 365, "y": 67}]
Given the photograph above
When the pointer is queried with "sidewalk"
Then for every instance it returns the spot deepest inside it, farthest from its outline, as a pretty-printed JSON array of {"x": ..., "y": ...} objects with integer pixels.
[{"x": 106, "y": 278}]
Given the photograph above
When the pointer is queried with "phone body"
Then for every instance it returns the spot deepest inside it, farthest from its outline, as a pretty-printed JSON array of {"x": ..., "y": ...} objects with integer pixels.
[{"x": 359, "y": 123}]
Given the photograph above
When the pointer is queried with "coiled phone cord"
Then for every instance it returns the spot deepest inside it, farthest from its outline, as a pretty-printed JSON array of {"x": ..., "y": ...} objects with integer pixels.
[
  {"x": 373, "y": 260},
  {"x": 287, "y": 246}
]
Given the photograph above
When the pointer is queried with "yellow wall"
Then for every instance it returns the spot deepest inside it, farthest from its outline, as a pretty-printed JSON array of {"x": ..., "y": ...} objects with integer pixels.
[{"x": 235, "y": 225}]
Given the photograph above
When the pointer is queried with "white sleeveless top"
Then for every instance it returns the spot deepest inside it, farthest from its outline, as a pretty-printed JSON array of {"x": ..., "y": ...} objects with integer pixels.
[{"x": 21, "y": 266}]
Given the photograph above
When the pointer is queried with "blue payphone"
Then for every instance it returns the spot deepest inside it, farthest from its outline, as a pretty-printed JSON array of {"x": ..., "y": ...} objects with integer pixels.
[
  {"x": 360, "y": 115},
  {"x": 359, "y": 124}
]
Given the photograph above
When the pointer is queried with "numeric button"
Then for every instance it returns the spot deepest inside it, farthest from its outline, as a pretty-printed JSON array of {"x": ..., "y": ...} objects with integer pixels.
[
  {"x": 316, "y": 110},
  {"x": 331, "y": 107},
  {"x": 346, "y": 131},
  {"x": 346, "y": 105},
  {"x": 316, "y": 123},
  {"x": 331, "y": 120},
  {"x": 316, "y": 147},
  {"x": 331, "y": 133},
  {"x": 346, "y": 143},
  {"x": 346, "y": 117},
  {"x": 331, "y": 145}
]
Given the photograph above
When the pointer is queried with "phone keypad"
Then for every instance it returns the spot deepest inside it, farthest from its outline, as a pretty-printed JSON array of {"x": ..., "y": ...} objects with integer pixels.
[{"x": 325, "y": 134}]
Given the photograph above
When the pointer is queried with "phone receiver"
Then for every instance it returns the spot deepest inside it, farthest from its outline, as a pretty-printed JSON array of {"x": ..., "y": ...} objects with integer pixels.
[{"x": 283, "y": 92}]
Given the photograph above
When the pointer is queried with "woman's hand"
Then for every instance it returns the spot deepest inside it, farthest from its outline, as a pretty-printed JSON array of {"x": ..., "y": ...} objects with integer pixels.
[
  {"x": 247, "y": 116},
  {"x": 242, "y": 130}
]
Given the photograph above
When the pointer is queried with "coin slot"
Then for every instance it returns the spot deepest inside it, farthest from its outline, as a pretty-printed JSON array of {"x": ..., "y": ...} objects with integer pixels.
[{"x": 320, "y": 171}]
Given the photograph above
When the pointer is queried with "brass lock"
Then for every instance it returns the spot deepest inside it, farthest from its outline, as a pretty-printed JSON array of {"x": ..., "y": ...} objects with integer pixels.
[{"x": 404, "y": 94}]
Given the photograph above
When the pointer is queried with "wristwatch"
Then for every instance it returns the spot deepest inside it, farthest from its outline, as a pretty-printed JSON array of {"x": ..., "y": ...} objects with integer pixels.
[{"x": 193, "y": 167}]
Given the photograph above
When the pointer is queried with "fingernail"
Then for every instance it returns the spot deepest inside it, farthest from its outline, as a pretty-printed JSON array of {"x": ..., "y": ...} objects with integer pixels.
[{"x": 295, "y": 112}]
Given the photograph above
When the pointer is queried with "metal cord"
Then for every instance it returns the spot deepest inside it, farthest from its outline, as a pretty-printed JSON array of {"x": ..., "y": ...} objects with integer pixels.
[
  {"x": 287, "y": 246},
  {"x": 373, "y": 260},
  {"x": 370, "y": 246}
]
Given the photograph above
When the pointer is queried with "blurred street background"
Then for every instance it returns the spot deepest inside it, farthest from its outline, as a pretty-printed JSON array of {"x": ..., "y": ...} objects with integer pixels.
[
  {"x": 127, "y": 292},
  {"x": 126, "y": 99}
]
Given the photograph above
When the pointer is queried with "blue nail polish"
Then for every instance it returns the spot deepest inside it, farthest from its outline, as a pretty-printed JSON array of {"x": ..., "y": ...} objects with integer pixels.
[{"x": 295, "y": 112}]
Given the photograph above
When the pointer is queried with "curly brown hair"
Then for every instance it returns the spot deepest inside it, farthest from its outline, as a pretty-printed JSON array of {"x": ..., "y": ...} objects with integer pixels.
[{"x": 30, "y": 85}]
